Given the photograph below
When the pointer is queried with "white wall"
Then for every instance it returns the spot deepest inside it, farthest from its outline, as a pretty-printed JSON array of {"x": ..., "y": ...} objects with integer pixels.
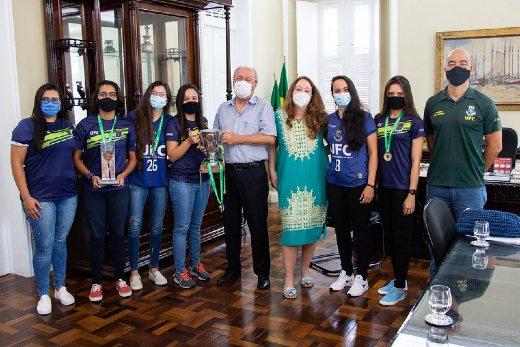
[
  {"x": 31, "y": 50},
  {"x": 418, "y": 21},
  {"x": 267, "y": 38}
]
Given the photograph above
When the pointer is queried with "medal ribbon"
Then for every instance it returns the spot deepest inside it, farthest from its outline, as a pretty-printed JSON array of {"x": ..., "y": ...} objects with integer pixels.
[
  {"x": 103, "y": 131},
  {"x": 388, "y": 137},
  {"x": 158, "y": 134},
  {"x": 222, "y": 188}
]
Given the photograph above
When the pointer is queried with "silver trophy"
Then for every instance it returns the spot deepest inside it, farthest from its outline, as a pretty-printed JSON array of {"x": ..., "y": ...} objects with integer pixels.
[
  {"x": 211, "y": 140},
  {"x": 108, "y": 163}
]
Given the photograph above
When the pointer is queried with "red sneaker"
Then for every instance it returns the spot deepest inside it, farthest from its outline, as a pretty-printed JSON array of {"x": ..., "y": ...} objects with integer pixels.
[
  {"x": 123, "y": 289},
  {"x": 96, "y": 293}
]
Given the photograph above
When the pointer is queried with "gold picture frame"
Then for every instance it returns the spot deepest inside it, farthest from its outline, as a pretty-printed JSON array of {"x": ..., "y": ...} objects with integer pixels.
[{"x": 496, "y": 57}]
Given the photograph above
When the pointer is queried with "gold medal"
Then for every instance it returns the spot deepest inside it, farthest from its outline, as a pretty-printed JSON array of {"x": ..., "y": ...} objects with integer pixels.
[
  {"x": 153, "y": 155},
  {"x": 387, "y": 156},
  {"x": 221, "y": 207}
]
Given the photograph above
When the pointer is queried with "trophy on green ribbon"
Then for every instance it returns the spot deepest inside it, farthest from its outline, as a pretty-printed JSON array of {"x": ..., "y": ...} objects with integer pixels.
[{"x": 212, "y": 142}]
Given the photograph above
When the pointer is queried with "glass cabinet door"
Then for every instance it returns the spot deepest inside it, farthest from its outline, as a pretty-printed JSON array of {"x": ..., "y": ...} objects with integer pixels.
[
  {"x": 163, "y": 50},
  {"x": 112, "y": 41},
  {"x": 74, "y": 59}
]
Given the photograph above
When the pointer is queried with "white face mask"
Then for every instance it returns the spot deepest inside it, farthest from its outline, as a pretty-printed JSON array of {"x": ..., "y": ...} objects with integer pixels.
[
  {"x": 301, "y": 99},
  {"x": 242, "y": 89}
]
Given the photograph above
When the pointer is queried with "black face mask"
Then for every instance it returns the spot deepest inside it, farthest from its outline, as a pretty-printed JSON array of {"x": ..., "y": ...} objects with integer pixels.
[
  {"x": 107, "y": 104},
  {"x": 395, "y": 102},
  {"x": 190, "y": 107},
  {"x": 458, "y": 75}
]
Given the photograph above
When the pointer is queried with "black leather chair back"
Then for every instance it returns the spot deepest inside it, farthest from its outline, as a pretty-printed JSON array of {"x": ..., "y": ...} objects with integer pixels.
[
  {"x": 440, "y": 228},
  {"x": 509, "y": 144}
]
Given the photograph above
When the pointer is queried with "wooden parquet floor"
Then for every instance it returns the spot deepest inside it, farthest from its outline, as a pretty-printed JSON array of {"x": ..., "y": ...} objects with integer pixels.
[{"x": 209, "y": 315}]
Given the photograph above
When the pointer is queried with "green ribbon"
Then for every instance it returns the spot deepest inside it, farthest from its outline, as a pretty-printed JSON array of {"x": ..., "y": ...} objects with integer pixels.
[
  {"x": 388, "y": 138},
  {"x": 158, "y": 134},
  {"x": 103, "y": 131},
  {"x": 222, "y": 172}
]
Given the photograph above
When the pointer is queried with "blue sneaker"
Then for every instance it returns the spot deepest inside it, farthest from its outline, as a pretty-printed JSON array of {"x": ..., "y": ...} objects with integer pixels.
[
  {"x": 386, "y": 289},
  {"x": 392, "y": 298}
]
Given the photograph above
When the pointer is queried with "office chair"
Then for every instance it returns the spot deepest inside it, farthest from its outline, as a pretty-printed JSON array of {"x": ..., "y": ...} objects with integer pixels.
[
  {"x": 440, "y": 231},
  {"x": 375, "y": 219},
  {"x": 509, "y": 144}
]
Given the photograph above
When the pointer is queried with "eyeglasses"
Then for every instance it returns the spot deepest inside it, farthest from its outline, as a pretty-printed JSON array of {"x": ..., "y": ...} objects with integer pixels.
[
  {"x": 161, "y": 94},
  {"x": 53, "y": 99},
  {"x": 111, "y": 95}
]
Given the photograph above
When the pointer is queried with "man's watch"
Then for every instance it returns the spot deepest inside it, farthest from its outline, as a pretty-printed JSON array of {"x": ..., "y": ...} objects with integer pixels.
[
  {"x": 89, "y": 176},
  {"x": 412, "y": 191}
]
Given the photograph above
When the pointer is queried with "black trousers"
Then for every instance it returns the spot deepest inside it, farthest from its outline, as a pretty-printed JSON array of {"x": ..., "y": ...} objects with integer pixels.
[
  {"x": 397, "y": 230},
  {"x": 349, "y": 214},
  {"x": 248, "y": 190},
  {"x": 102, "y": 206}
]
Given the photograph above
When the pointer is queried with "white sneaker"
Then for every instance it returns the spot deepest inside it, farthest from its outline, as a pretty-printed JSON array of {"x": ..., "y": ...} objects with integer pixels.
[
  {"x": 64, "y": 296},
  {"x": 157, "y": 277},
  {"x": 44, "y": 305},
  {"x": 135, "y": 282},
  {"x": 342, "y": 281},
  {"x": 359, "y": 287}
]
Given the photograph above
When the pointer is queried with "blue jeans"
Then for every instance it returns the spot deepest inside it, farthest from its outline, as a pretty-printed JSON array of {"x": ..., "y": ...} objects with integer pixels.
[
  {"x": 50, "y": 241},
  {"x": 457, "y": 200},
  {"x": 158, "y": 197},
  {"x": 189, "y": 203},
  {"x": 104, "y": 208}
]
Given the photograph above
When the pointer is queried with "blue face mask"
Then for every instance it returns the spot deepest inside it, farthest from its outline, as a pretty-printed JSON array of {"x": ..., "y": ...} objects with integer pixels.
[
  {"x": 157, "y": 102},
  {"x": 50, "y": 108},
  {"x": 342, "y": 100}
]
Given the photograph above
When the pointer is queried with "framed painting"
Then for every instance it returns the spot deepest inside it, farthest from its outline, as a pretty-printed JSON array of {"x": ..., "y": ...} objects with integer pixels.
[{"x": 496, "y": 58}]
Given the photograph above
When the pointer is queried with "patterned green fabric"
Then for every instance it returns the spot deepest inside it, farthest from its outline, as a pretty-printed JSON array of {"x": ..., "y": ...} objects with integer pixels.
[{"x": 302, "y": 176}]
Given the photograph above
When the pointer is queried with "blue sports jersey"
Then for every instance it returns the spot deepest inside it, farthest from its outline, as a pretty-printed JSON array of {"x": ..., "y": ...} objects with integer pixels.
[
  {"x": 154, "y": 172},
  {"x": 186, "y": 168},
  {"x": 347, "y": 168},
  {"x": 396, "y": 172},
  {"x": 88, "y": 139},
  {"x": 50, "y": 174}
]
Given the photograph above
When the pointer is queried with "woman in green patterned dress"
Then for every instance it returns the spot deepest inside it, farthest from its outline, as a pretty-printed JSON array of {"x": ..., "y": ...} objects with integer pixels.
[{"x": 300, "y": 176}]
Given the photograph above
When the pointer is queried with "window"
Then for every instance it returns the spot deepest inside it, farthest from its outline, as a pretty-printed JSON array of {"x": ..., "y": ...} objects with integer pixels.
[{"x": 348, "y": 42}]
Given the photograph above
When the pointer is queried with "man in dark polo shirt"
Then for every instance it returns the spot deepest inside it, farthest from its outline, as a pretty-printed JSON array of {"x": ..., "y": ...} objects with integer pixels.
[
  {"x": 248, "y": 127},
  {"x": 455, "y": 120}
]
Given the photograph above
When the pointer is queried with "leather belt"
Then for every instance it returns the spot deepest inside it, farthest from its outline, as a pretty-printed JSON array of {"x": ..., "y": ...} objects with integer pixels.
[{"x": 245, "y": 166}]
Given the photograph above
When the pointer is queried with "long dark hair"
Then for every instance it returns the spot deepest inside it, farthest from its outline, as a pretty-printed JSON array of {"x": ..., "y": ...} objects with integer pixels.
[
  {"x": 120, "y": 109},
  {"x": 409, "y": 105},
  {"x": 39, "y": 120},
  {"x": 183, "y": 122},
  {"x": 353, "y": 118},
  {"x": 143, "y": 120},
  {"x": 314, "y": 119}
]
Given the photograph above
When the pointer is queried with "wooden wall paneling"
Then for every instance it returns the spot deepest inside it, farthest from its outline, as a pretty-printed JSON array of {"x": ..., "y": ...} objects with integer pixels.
[
  {"x": 190, "y": 52},
  {"x": 228, "y": 53},
  {"x": 133, "y": 55},
  {"x": 196, "y": 50},
  {"x": 54, "y": 31},
  {"x": 97, "y": 36},
  {"x": 88, "y": 27}
]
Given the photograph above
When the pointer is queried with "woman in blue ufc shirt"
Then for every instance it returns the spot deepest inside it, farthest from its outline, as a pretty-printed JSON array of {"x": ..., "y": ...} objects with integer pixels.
[
  {"x": 106, "y": 131},
  {"x": 400, "y": 133},
  {"x": 189, "y": 189},
  {"x": 41, "y": 161},
  {"x": 351, "y": 134},
  {"x": 150, "y": 178}
]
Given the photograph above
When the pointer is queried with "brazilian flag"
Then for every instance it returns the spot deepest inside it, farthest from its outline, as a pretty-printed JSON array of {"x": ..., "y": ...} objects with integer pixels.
[
  {"x": 283, "y": 87},
  {"x": 275, "y": 99}
]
